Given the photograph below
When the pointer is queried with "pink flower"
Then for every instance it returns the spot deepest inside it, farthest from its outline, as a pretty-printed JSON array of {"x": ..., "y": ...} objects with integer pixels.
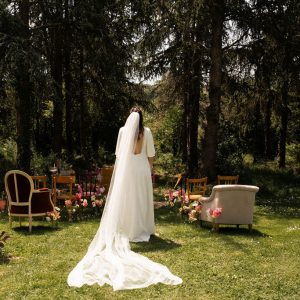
[
  {"x": 99, "y": 203},
  {"x": 79, "y": 189},
  {"x": 85, "y": 203},
  {"x": 214, "y": 213},
  {"x": 102, "y": 190},
  {"x": 68, "y": 203},
  {"x": 198, "y": 208},
  {"x": 2, "y": 204},
  {"x": 176, "y": 194},
  {"x": 78, "y": 196}
]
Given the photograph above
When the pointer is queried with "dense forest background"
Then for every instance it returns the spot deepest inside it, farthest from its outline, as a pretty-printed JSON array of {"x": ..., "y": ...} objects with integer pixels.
[{"x": 227, "y": 89}]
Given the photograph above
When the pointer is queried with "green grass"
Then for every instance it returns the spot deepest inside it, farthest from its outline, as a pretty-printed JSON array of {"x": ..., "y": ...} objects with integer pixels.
[{"x": 233, "y": 264}]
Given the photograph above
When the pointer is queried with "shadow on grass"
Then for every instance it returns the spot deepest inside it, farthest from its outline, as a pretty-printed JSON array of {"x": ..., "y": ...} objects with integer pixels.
[
  {"x": 36, "y": 230},
  {"x": 167, "y": 215},
  {"x": 155, "y": 244},
  {"x": 4, "y": 257}
]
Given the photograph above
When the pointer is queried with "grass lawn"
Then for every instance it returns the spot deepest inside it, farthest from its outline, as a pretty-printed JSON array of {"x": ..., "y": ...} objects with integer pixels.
[{"x": 233, "y": 264}]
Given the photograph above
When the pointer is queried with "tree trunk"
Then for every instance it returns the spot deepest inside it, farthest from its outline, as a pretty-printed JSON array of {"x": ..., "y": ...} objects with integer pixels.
[
  {"x": 209, "y": 154},
  {"x": 194, "y": 98},
  {"x": 267, "y": 125},
  {"x": 24, "y": 103},
  {"x": 56, "y": 71},
  {"x": 284, "y": 124},
  {"x": 68, "y": 81},
  {"x": 83, "y": 109}
]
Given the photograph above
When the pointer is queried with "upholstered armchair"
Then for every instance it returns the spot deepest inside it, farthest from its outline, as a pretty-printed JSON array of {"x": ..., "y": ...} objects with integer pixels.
[
  {"x": 23, "y": 200},
  {"x": 236, "y": 201}
]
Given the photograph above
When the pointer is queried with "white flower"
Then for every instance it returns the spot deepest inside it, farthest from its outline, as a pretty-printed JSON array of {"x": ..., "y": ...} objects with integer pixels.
[{"x": 48, "y": 219}]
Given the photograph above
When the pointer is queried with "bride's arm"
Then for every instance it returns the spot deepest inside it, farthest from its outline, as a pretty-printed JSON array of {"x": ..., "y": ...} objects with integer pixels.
[{"x": 151, "y": 160}]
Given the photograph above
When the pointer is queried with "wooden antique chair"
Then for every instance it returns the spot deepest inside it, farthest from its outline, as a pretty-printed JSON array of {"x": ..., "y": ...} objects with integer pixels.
[
  {"x": 67, "y": 190},
  {"x": 39, "y": 182},
  {"x": 23, "y": 200},
  {"x": 228, "y": 179},
  {"x": 196, "y": 188},
  {"x": 106, "y": 174}
]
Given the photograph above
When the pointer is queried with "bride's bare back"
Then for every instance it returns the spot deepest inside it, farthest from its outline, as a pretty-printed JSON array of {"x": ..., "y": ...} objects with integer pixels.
[{"x": 139, "y": 145}]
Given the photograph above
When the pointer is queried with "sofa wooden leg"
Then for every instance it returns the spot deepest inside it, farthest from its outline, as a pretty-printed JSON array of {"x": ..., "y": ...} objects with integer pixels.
[
  {"x": 10, "y": 221},
  {"x": 250, "y": 227},
  {"x": 237, "y": 226},
  {"x": 20, "y": 221},
  {"x": 216, "y": 227}
]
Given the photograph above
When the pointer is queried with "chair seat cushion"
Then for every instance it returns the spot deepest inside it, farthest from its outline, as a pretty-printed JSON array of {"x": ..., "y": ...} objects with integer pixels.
[
  {"x": 195, "y": 197},
  {"x": 40, "y": 203}
]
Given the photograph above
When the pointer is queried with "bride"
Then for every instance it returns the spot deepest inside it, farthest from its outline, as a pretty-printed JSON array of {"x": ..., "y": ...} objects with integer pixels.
[{"x": 128, "y": 216}]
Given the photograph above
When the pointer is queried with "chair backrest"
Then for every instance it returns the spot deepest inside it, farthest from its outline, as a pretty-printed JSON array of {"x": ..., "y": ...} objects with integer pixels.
[
  {"x": 106, "y": 174},
  {"x": 196, "y": 186},
  {"x": 68, "y": 181},
  {"x": 39, "y": 181},
  {"x": 19, "y": 187},
  {"x": 228, "y": 179}
]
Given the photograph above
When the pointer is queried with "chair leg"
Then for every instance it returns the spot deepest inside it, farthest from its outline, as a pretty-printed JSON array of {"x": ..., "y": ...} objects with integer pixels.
[
  {"x": 30, "y": 224},
  {"x": 10, "y": 221},
  {"x": 20, "y": 222},
  {"x": 250, "y": 227},
  {"x": 237, "y": 226}
]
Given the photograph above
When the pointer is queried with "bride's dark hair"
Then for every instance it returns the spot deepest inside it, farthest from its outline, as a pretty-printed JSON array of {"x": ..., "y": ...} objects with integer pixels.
[{"x": 141, "y": 125}]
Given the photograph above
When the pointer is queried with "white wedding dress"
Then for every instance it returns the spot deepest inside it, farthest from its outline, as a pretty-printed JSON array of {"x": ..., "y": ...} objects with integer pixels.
[{"x": 128, "y": 216}]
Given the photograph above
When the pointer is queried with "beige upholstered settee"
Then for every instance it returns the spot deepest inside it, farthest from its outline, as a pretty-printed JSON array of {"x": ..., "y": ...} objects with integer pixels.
[{"x": 236, "y": 201}]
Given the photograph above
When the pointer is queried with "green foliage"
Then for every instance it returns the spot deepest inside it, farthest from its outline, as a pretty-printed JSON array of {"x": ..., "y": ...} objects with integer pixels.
[
  {"x": 293, "y": 154},
  {"x": 230, "y": 150}
]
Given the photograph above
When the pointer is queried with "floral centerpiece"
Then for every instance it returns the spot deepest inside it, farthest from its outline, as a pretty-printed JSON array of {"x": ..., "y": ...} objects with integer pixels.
[
  {"x": 87, "y": 206},
  {"x": 53, "y": 215},
  {"x": 174, "y": 197},
  {"x": 191, "y": 210},
  {"x": 213, "y": 214}
]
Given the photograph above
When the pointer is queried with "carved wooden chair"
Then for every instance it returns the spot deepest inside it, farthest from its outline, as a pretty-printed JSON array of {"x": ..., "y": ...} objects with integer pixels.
[
  {"x": 228, "y": 179},
  {"x": 196, "y": 188},
  {"x": 39, "y": 182},
  {"x": 106, "y": 174},
  {"x": 63, "y": 189},
  {"x": 23, "y": 200}
]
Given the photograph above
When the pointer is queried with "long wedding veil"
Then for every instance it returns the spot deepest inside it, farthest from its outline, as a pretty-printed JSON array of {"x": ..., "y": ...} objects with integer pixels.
[{"x": 109, "y": 258}]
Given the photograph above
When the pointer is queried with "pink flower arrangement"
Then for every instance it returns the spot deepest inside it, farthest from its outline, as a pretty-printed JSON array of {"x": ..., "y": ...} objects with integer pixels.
[
  {"x": 214, "y": 213},
  {"x": 192, "y": 211},
  {"x": 173, "y": 197},
  {"x": 54, "y": 215}
]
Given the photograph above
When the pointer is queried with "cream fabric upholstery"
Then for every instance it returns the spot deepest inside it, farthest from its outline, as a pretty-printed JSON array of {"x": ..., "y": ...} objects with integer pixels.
[{"x": 237, "y": 202}]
